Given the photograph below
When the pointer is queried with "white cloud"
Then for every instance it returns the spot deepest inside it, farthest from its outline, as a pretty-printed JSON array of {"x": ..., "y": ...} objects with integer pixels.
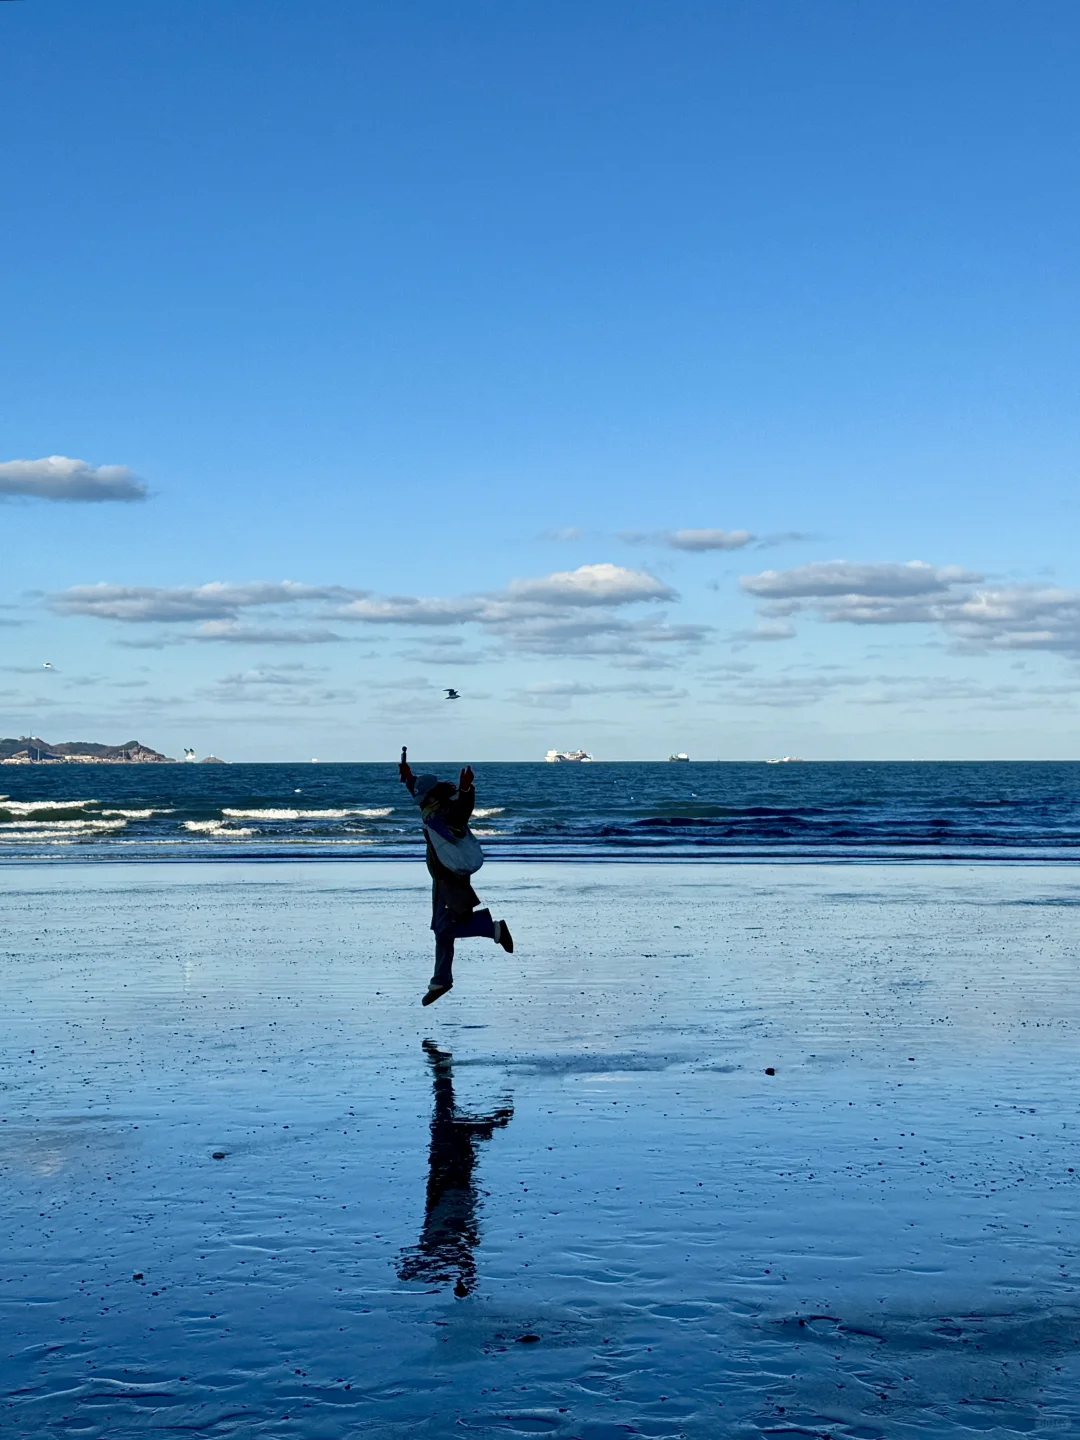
[
  {"x": 296, "y": 685},
  {"x": 766, "y": 630},
  {"x": 57, "y": 477},
  {"x": 413, "y": 683},
  {"x": 229, "y": 632},
  {"x": 560, "y": 694},
  {"x": 1018, "y": 618},
  {"x": 570, "y": 611},
  {"x": 443, "y": 659},
  {"x": 974, "y": 616},
  {"x": 591, "y": 585},
  {"x": 698, "y": 540},
  {"x": 141, "y": 605},
  {"x": 584, "y": 635},
  {"x": 408, "y": 610},
  {"x": 798, "y": 688},
  {"x": 841, "y": 578},
  {"x": 709, "y": 539},
  {"x": 293, "y": 676}
]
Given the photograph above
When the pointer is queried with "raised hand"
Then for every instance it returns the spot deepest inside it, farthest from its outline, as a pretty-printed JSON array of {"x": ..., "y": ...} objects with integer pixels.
[{"x": 466, "y": 779}]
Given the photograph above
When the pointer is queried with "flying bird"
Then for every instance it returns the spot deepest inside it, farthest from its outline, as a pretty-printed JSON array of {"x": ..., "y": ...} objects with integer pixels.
[
  {"x": 452, "y": 694},
  {"x": 48, "y": 665}
]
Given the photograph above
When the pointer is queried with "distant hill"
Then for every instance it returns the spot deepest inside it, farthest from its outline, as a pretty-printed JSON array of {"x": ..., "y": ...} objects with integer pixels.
[{"x": 30, "y": 748}]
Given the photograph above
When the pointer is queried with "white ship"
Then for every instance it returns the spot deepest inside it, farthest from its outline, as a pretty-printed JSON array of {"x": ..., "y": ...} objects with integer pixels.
[
  {"x": 786, "y": 760},
  {"x": 680, "y": 757},
  {"x": 561, "y": 757}
]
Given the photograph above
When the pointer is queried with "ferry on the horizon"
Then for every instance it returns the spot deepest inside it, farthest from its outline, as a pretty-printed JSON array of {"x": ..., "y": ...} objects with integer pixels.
[
  {"x": 787, "y": 760},
  {"x": 561, "y": 757},
  {"x": 680, "y": 758}
]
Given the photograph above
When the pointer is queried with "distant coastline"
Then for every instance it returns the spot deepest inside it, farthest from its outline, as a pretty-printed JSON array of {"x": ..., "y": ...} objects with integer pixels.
[{"x": 31, "y": 750}]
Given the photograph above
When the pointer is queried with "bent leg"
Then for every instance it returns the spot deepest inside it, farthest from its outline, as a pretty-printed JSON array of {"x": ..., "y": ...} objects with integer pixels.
[{"x": 477, "y": 925}]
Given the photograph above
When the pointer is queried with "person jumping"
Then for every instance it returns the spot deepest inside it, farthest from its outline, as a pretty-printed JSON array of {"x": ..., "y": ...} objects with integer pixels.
[{"x": 453, "y": 855}]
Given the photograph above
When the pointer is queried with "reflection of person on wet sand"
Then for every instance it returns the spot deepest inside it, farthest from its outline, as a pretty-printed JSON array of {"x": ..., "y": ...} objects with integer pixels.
[{"x": 451, "y": 1231}]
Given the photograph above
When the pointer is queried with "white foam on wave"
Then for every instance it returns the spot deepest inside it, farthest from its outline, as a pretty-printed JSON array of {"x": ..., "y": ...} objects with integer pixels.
[
  {"x": 137, "y": 814},
  {"x": 269, "y": 814},
  {"x": 35, "y": 807},
  {"x": 216, "y": 828},
  {"x": 486, "y": 814},
  {"x": 18, "y": 827},
  {"x": 476, "y": 830}
]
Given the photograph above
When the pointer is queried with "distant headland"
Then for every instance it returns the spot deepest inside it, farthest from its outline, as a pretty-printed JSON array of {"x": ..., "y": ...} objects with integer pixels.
[{"x": 31, "y": 750}]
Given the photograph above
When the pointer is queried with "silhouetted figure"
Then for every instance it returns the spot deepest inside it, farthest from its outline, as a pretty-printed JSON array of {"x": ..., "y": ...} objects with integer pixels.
[
  {"x": 445, "y": 811},
  {"x": 451, "y": 1231}
]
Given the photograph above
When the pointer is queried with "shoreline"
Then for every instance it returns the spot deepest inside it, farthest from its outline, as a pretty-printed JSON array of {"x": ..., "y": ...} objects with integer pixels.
[{"x": 717, "y": 861}]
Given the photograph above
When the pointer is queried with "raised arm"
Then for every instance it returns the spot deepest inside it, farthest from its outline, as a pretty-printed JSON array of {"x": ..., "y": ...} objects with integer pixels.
[
  {"x": 405, "y": 774},
  {"x": 463, "y": 802}
]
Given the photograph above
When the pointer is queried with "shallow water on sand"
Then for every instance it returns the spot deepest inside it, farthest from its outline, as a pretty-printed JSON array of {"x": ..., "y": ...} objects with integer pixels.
[{"x": 585, "y": 1209}]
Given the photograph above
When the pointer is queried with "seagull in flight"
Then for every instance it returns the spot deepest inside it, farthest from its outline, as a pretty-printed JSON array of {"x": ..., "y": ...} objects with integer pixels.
[
  {"x": 452, "y": 694},
  {"x": 48, "y": 665}
]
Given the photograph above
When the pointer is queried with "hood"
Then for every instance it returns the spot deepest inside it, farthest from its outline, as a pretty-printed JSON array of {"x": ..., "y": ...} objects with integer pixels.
[{"x": 421, "y": 787}]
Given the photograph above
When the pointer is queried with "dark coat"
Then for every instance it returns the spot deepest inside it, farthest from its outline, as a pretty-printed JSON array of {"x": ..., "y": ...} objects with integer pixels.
[{"x": 452, "y": 896}]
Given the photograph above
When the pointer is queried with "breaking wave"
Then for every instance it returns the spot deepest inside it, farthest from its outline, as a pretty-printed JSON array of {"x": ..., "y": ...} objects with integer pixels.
[{"x": 701, "y": 811}]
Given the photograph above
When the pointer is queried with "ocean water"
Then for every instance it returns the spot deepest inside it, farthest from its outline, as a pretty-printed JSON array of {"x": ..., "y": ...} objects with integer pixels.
[{"x": 701, "y": 811}]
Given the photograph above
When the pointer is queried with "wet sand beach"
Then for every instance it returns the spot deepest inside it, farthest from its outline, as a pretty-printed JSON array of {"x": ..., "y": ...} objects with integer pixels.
[{"x": 243, "y": 1198}]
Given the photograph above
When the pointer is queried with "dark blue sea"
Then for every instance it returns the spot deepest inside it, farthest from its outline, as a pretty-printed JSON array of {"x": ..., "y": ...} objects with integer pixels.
[{"x": 600, "y": 811}]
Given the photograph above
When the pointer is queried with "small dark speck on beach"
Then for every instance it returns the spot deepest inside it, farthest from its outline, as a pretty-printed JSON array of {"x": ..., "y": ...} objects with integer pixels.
[
  {"x": 769, "y": 1070},
  {"x": 138, "y": 1275},
  {"x": 527, "y": 1339},
  {"x": 219, "y": 1155}
]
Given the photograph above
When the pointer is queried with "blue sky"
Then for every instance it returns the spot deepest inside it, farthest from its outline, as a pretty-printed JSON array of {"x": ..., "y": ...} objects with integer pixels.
[{"x": 556, "y": 352}]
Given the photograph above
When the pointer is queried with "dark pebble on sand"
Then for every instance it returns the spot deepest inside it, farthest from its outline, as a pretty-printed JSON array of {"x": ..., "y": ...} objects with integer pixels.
[
  {"x": 769, "y": 1070},
  {"x": 527, "y": 1339},
  {"x": 219, "y": 1155},
  {"x": 138, "y": 1275}
]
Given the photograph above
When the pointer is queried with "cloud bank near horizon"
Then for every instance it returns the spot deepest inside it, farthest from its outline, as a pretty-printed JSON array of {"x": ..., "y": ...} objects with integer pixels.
[
  {"x": 583, "y": 612},
  {"x": 974, "y": 616},
  {"x": 568, "y": 612}
]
